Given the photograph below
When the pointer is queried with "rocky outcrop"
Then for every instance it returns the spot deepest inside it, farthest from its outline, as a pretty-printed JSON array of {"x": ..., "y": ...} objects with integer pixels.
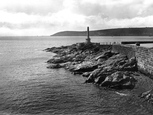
[
  {"x": 98, "y": 63},
  {"x": 115, "y": 72},
  {"x": 86, "y": 66},
  {"x": 119, "y": 80}
]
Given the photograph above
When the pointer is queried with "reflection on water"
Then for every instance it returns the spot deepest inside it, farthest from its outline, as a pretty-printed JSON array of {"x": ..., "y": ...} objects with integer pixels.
[{"x": 27, "y": 87}]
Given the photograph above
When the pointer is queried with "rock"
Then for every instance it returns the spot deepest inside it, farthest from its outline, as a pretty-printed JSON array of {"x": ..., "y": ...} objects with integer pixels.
[
  {"x": 99, "y": 75},
  {"x": 85, "y": 67},
  {"x": 111, "y": 79},
  {"x": 148, "y": 96},
  {"x": 54, "y": 66},
  {"x": 119, "y": 80},
  {"x": 99, "y": 80},
  {"x": 86, "y": 74},
  {"x": 62, "y": 59},
  {"x": 105, "y": 55},
  {"x": 143, "y": 95},
  {"x": 100, "y": 60},
  {"x": 71, "y": 65},
  {"x": 56, "y": 60},
  {"x": 93, "y": 75},
  {"x": 127, "y": 85},
  {"x": 130, "y": 65},
  {"x": 66, "y": 64}
]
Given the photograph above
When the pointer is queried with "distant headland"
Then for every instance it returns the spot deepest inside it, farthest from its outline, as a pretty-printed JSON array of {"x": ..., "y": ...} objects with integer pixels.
[{"x": 146, "y": 31}]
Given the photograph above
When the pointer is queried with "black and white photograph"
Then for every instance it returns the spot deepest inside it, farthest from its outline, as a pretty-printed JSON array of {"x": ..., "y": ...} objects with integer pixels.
[{"x": 76, "y": 57}]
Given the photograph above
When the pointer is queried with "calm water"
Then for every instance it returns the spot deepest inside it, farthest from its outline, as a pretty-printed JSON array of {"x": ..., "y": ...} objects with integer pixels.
[{"x": 28, "y": 87}]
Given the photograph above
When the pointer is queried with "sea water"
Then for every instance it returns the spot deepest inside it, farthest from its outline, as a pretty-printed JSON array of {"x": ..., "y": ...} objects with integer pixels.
[{"x": 27, "y": 87}]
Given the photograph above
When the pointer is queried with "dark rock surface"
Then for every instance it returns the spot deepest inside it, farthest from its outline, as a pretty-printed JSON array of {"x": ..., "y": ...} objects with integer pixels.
[
  {"x": 148, "y": 96},
  {"x": 54, "y": 66},
  {"x": 98, "y": 63}
]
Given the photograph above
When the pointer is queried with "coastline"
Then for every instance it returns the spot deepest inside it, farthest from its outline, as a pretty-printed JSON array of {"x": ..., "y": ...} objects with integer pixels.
[
  {"x": 103, "y": 67},
  {"x": 110, "y": 32}
]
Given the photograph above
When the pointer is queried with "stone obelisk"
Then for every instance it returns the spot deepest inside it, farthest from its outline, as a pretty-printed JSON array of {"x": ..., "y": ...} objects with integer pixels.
[{"x": 88, "y": 38}]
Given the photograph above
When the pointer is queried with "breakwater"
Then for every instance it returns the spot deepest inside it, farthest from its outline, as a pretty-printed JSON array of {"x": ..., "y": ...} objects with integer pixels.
[{"x": 144, "y": 56}]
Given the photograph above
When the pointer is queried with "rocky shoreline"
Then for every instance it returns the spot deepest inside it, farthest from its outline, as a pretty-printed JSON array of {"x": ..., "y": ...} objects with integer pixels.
[
  {"x": 98, "y": 63},
  {"x": 103, "y": 67}
]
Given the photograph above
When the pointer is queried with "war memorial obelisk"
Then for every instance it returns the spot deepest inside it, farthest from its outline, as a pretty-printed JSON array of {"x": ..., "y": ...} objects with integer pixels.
[{"x": 88, "y": 38}]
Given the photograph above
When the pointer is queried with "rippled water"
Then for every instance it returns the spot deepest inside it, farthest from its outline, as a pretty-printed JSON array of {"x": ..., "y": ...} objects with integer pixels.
[{"x": 28, "y": 87}]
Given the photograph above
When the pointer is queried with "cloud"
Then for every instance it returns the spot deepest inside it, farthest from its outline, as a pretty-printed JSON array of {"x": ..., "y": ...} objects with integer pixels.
[
  {"x": 44, "y": 17},
  {"x": 41, "y": 7}
]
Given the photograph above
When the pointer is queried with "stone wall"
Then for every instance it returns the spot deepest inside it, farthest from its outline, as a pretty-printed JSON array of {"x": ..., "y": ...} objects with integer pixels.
[
  {"x": 124, "y": 49},
  {"x": 143, "y": 55},
  {"x": 144, "y": 59}
]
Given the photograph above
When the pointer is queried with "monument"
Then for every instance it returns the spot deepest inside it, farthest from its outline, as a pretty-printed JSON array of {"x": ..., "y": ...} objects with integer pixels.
[{"x": 88, "y": 38}]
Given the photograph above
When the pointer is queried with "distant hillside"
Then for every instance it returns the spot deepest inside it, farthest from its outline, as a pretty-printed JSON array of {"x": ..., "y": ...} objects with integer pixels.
[{"x": 110, "y": 32}]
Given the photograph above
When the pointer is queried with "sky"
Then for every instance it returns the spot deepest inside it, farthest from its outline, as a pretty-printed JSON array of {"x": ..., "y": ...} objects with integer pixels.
[{"x": 46, "y": 17}]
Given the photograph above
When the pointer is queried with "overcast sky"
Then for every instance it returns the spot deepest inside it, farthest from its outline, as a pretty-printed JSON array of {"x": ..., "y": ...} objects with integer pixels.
[{"x": 45, "y": 17}]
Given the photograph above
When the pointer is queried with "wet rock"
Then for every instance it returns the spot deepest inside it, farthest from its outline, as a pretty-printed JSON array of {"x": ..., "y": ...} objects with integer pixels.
[
  {"x": 66, "y": 64},
  {"x": 105, "y": 55},
  {"x": 99, "y": 79},
  {"x": 56, "y": 60},
  {"x": 86, "y": 74},
  {"x": 79, "y": 57},
  {"x": 93, "y": 75},
  {"x": 143, "y": 95},
  {"x": 148, "y": 96},
  {"x": 85, "y": 67},
  {"x": 119, "y": 80},
  {"x": 54, "y": 66},
  {"x": 130, "y": 65},
  {"x": 99, "y": 74}
]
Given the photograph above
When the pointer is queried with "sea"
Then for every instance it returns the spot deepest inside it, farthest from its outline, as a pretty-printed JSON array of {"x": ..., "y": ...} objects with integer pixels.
[{"x": 27, "y": 87}]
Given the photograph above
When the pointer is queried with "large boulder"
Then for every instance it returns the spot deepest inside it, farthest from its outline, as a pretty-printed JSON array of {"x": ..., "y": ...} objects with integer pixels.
[
  {"x": 93, "y": 75},
  {"x": 130, "y": 65},
  {"x": 86, "y": 66},
  {"x": 99, "y": 75},
  {"x": 105, "y": 55},
  {"x": 119, "y": 80}
]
